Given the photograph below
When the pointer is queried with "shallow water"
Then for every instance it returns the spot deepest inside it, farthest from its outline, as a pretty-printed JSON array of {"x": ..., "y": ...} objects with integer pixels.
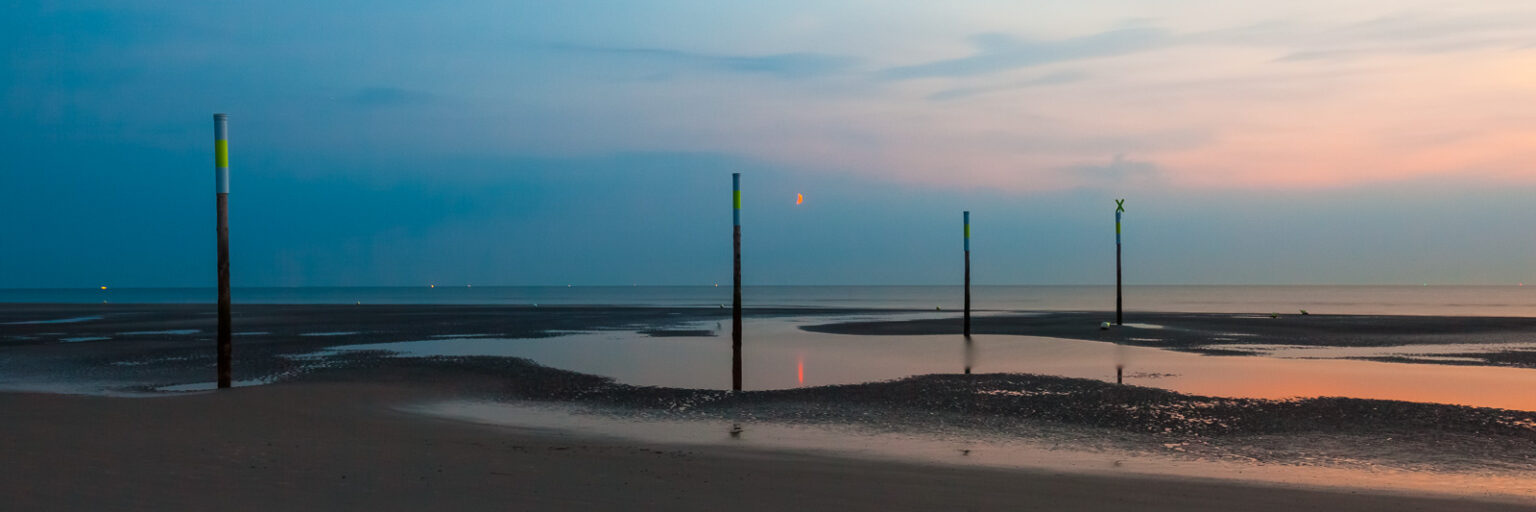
[
  {"x": 211, "y": 385},
  {"x": 971, "y": 448},
  {"x": 71, "y": 320},
  {"x": 1423, "y": 351},
  {"x": 1361, "y": 300},
  {"x": 777, "y": 354}
]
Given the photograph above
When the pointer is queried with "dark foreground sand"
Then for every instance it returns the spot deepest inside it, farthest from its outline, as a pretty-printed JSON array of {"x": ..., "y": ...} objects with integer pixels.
[{"x": 345, "y": 446}]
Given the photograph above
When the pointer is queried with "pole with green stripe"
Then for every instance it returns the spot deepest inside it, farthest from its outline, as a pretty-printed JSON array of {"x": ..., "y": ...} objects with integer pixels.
[
  {"x": 969, "y": 350},
  {"x": 736, "y": 287},
  {"x": 967, "y": 221},
  {"x": 1119, "y": 298},
  {"x": 221, "y": 193}
]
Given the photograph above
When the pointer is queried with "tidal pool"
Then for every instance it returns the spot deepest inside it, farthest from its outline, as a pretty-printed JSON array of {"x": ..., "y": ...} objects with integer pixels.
[{"x": 777, "y": 354}]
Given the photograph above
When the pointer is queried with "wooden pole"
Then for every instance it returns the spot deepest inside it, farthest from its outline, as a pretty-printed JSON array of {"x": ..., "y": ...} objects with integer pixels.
[
  {"x": 967, "y": 220},
  {"x": 221, "y": 193},
  {"x": 736, "y": 287},
  {"x": 1119, "y": 297},
  {"x": 969, "y": 350}
]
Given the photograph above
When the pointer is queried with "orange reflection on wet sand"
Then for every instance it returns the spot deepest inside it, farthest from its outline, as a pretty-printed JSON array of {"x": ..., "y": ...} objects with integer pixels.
[{"x": 775, "y": 345}]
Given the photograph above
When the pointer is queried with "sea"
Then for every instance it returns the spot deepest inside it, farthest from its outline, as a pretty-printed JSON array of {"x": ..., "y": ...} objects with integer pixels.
[{"x": 1316, "y": 299}]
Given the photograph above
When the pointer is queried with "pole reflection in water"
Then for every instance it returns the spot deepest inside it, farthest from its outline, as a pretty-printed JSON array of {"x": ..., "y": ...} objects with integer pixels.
[
  {"x": 1120, "y": 359},
  {"x": 970, "y": 354},
  {"x": 800, "y": 370}
]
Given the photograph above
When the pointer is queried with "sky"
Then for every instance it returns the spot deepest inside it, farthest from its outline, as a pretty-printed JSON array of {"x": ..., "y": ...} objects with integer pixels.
[{"x": 591, "y": 143}]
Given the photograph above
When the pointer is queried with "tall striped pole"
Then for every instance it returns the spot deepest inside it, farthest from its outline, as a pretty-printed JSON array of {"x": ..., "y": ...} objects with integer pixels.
[
  {"x": 221, "y": 192},
  {"x": 1119, "y": 301},
  {"x": 967, "y": 220},
  {"x": 736, "y": 287},
  {"x": 969, "y": 350}
]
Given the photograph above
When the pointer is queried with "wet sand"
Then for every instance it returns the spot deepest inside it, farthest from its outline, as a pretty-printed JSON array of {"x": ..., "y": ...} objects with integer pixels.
[
  {"x": 348, "y": 446},
  {"x": 22, "y": 324},
  {"x": 45, "y": 339},
  {"x": 313, "y": 404},
  {"x": 1219, "y": 333},
  {"x": 76, "y": 343}
]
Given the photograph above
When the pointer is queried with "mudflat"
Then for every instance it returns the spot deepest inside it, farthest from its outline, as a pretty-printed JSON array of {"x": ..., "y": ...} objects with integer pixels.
[
  {"x": 333, "y": 446},
  {"x": 327, "y": 429}
]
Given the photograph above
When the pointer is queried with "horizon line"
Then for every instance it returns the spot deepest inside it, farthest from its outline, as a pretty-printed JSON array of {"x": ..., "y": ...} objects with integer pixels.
[{"x": 634, "y": 285}]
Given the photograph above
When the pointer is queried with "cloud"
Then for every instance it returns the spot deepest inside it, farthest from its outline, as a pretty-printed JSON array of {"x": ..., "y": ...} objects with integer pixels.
[
  {"x": 1437, "y": 28},
  {"x": 1001, "y": 52},
  {"x": 1403, "y": 34},
  {"x": 1057, "y": 78},
  {"x": 785, "y": 65}
]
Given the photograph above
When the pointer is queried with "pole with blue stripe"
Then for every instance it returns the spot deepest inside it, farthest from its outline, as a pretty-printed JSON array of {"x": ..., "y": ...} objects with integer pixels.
[
  {"x": 736, "y": 287},
  {"x": 1119, "y": 298},
  {"x": 221, "y": 193}
]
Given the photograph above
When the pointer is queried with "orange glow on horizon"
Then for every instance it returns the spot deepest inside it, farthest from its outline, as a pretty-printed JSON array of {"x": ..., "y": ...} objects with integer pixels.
[{"x": 799, "y": 198}]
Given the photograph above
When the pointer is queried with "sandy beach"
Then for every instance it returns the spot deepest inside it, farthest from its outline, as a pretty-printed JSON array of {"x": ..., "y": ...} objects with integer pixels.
[
  {"x": 347, "y": 447},
  {"x": 318, "y": 428}
]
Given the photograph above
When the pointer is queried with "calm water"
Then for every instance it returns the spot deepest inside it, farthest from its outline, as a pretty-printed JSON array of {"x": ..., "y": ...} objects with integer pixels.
[
  {"x": 777, "y": 354},
  {"x": 1384, "y": 300}
]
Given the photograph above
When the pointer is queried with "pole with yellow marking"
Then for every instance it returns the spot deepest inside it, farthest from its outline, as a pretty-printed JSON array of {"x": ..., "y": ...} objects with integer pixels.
[
  {"x": 969, "y": 354},
  {"x": 736, "y": 287},
  {"x": 221, "y": 193},
  {"x": 967, "y": 221},
  {"x": 1119, "y": 300}
]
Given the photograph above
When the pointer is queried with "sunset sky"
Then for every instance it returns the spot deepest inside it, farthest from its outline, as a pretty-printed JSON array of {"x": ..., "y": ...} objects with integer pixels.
[{"x": 405, "y": 143}]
